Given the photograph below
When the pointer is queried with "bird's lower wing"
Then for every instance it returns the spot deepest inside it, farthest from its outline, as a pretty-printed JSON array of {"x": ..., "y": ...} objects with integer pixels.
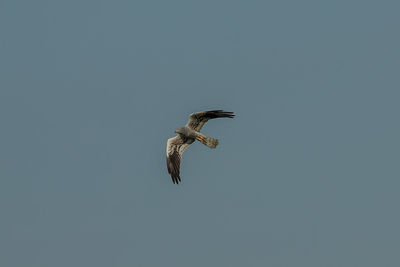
[{"x": 175, "y": 149}]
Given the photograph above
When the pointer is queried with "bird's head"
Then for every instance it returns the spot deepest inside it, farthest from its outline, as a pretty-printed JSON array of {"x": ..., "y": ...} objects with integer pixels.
[{"x": 179, "y": 131}]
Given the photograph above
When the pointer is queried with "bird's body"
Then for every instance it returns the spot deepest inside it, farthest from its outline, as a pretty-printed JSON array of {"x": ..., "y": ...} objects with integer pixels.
[{"x": 187, "y": 135}]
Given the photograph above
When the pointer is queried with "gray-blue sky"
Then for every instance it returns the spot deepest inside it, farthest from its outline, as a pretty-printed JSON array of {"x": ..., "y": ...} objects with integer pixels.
[{"x": 307, "y": 174}]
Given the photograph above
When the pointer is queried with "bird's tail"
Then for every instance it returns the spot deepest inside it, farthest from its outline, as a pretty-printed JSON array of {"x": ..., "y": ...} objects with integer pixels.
[{"x": 208, "y": 141}]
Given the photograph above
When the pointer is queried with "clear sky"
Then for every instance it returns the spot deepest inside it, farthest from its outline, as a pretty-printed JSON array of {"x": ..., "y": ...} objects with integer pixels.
[{"x": 307, "y": 174}]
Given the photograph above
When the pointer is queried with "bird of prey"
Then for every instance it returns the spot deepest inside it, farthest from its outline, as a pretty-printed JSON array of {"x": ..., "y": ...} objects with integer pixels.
[{"x": 187, "y": 135}]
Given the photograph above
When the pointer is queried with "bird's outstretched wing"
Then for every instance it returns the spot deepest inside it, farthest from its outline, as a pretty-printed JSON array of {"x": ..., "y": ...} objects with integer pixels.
[
  {"x": 175, "y": 148},
  {"x": 197, "y": 120}
]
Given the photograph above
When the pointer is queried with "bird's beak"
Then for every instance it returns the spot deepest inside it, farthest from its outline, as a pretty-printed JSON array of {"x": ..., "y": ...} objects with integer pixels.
[{"x": 176, "y": 131}]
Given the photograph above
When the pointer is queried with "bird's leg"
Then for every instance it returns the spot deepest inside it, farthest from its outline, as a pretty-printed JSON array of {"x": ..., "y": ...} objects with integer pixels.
[{"x": 200, "y": 138}]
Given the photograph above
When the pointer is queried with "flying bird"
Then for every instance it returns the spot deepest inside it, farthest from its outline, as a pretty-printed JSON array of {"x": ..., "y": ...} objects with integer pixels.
[{"x": 187, "y": 135}]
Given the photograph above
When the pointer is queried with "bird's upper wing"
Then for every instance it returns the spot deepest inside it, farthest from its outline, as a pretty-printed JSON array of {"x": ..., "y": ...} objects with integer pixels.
[
  {"x": 197, "y": 120},
  {"x": 175, "y": 148}
]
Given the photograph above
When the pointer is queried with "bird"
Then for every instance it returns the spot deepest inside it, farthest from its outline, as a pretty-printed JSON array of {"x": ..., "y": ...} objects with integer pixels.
[{"x": 187, "y": 135}]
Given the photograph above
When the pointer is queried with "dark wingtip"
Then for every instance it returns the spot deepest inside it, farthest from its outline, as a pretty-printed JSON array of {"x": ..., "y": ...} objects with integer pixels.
[
  {"x": 226, "y": 114},
  {"x": 176, "y": 179},
  {"x": 219, "y": 113}
]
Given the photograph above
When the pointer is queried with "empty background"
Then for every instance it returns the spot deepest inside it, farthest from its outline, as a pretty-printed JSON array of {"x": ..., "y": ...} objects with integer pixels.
[{"x": 307, "y": 174}]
